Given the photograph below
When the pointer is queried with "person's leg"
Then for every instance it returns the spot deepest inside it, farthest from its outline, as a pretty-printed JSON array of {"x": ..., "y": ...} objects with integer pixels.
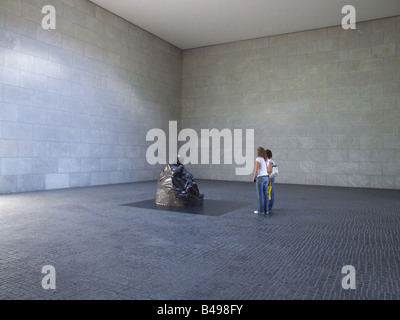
[
  {"x": 260, "y": 194},
  {"x": 266, "y": 201},
  {"x": 271, "y": 202}
]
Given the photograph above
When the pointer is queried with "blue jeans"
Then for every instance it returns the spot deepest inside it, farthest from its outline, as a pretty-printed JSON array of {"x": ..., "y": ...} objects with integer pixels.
[
  {"x": 271, "y": 202},
  {"x": 262, "y": 194}
]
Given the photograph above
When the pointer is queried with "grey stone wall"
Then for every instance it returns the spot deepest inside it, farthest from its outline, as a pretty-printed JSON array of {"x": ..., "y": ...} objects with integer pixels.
[
  {"x": 76, "y": 102},
  {"x": 326, "y": 102}
]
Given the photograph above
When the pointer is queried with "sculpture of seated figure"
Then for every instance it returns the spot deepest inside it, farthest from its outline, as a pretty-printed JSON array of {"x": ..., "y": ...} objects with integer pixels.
[{"x": 176, "y": 187}]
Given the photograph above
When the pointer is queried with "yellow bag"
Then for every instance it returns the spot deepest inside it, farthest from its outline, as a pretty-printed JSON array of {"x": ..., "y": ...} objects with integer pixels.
[{"x": 269, "y": 192}]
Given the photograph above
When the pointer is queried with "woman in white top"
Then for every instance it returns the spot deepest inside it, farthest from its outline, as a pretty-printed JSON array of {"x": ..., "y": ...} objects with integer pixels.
[{"x": 261, "y": 179}]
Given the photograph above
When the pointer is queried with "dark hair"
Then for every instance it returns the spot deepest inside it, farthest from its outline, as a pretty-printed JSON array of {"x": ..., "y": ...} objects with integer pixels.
[
  {"x": 268, "y": 153},
  {"x": 261, "y": 152}
]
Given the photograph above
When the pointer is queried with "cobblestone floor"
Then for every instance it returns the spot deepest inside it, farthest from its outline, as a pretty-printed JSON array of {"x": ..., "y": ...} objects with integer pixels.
[{"x": 101, "y": 249}]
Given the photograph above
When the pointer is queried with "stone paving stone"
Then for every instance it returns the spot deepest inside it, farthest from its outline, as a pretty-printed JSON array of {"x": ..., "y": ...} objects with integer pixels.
[{"x": 102, "y": 249}]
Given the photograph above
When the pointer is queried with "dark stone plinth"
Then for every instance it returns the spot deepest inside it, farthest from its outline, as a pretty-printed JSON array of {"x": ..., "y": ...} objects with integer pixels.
[{"x": 209, "y": 208}]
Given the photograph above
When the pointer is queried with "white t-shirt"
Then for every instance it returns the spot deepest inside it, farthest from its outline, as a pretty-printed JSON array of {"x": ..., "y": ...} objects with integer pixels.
[{"x": 262, "y": 170}]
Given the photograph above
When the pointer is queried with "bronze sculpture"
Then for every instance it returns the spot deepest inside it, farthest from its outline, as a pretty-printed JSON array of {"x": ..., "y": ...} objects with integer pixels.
[{"x": 176, "y": 187}]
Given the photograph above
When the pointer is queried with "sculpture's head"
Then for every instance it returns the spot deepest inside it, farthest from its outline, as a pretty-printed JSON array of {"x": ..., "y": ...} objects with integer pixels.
[{"x": 179, "y": 159}]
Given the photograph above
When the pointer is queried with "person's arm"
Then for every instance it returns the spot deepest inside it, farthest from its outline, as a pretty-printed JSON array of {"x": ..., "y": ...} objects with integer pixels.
[
  {"x": 269, "y": 168},
  {"x": 256, "y": 170}
]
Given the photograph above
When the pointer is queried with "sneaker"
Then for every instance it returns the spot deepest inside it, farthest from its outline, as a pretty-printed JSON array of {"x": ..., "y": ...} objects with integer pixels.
[
  {"x": 266, "y": 213},
  {"x": 256, "y": 212}
]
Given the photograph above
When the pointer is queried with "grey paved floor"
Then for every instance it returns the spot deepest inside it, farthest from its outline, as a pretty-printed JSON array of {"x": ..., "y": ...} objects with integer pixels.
[{"x": 101, "y": 249}]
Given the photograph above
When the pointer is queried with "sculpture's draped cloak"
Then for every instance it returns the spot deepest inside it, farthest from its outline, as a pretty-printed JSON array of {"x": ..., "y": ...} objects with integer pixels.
[{"x": 176, "y": 187}]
